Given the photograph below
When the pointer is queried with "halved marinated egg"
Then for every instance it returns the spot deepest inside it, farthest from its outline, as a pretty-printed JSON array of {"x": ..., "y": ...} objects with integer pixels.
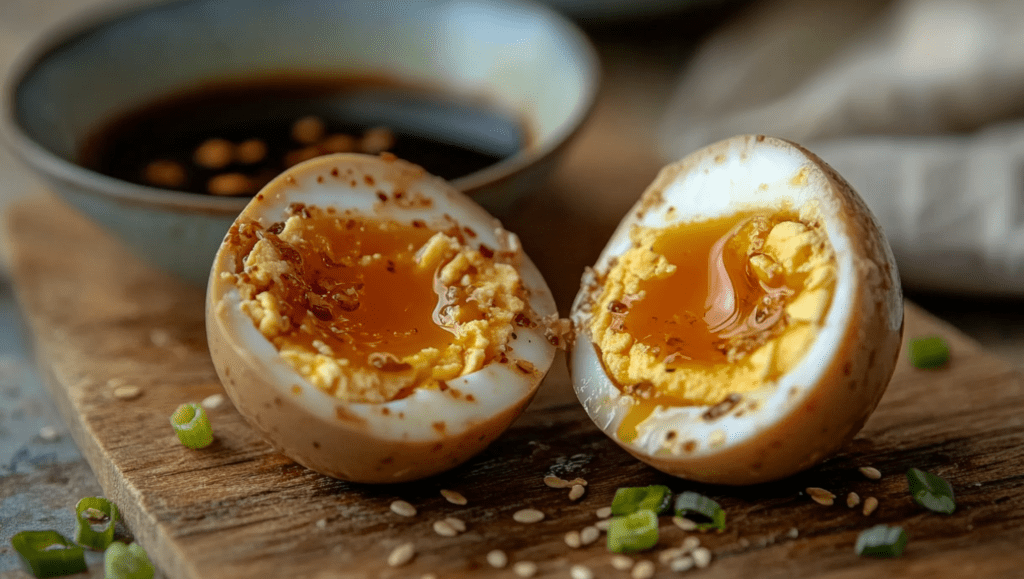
[
  {"x": 744, "y": 319},
  {"x": 373, "y": 323}
]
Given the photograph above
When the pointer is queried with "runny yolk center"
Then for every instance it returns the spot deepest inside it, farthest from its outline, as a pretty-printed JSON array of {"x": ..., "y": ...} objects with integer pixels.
[
  {"x": 358, "y": 289},
  {"x": 710, "y": 304}
]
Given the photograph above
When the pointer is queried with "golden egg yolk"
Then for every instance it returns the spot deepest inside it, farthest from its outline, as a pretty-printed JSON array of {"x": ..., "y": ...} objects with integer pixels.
[
  {"x": 371, "y": 309},
  {"x": 698, "y": 313}
]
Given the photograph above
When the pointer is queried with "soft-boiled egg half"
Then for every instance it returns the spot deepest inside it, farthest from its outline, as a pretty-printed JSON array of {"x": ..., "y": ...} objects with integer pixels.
[
  {"x": 373, "y": 323},
  {"x": 744, "y": 319}
]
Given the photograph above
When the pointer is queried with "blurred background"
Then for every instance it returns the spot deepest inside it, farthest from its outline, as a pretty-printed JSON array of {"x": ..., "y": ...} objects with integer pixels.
[{"x": 917, "y": 102}]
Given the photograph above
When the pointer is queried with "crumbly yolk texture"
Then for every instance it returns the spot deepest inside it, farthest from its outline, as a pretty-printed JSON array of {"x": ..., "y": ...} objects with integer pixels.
[
  {"x": 696, "y": 312},
  {"x": 369, "y": 310}
]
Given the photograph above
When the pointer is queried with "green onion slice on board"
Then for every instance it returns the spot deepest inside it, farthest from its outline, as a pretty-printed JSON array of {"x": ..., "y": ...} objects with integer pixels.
[
  {"x": 707, "y": 513},
  {"x": 881, "y": 541},
  {"x": 930, "y": 491},
  {"x": 48, "y": 553},
  {"x": 127, "y": 562},
  {"x": 192, "y": 426},
  {"x": 927, "y": 353},
  {"x": 94, "y": 522},
  {"x": 634, "y": 532},
  {"x": 657, "y": 498}
]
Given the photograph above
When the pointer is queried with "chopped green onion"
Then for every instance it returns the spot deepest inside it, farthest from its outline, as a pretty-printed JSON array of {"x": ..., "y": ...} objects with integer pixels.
[
  {"x": 709, "y": 514},
  {"x": 930, "y": 352},
  {"x": 127, "y": 562},
  {"x": 655, "y": 498},
  {"x": 48, "y": 553},
  {"x": 94, "y": 522},
  {"x": 192, "y": 426},
  {"x": 930, "y": 491},
  {"x": 634, "y": 532},
  {"x": 881, "y": 541}
]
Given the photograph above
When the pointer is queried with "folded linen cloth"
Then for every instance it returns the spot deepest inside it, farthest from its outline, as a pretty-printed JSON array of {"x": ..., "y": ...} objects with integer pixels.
[{"x": 916, "y": 102}]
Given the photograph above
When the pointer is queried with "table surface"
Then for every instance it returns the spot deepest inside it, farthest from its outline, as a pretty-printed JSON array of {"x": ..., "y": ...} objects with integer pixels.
[{"x": 41, "y": 477}]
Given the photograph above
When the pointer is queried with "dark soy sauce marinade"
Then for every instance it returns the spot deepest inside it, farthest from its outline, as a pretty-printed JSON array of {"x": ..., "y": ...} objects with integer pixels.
[{"x": 449, "y": 137}]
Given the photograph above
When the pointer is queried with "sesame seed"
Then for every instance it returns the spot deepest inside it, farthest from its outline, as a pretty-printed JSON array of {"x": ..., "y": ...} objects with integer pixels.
[
  {"x": 48, "y": 433},
  {"x": 622, "y": 562},
  {"x": 556, "y": 482},
  {"x": 528, "y": 516},
  {"x": 821, "y": 496},
  {"x": 572, "y": 538},
  {"x": 603, "y": 525},
  {"x": 497, "y": 558},
  {"x": 684, "y": 523},
  {"x": 589, "y": 534},
  {"x": 580, "y": 572},
  {"x": 525, "y": 569},
  {"x": 604, "y": 512},
  {"x": 321, "y": 524},
  {"x": 576, "y": 492},
  {"x": 852, "y": 500},
  {"x": 578, "y": 481},
  {"x": 691, "y": 543},
  {"x": 212, "y": 401},
  {"x": 642, "y": 570},
  {"x": 870, "y": 472},
  {"x": 401, "y": 555},
  {"x": 793, "y": 533},
  {"x": 681, "y": 564},
  {"x": 444, "y": 529},
  {"x": 701, "y": 557},
  {"x": 127, "y": 392},
  {"x": 403, "y": 509},
  {"x": 669, "y": 555},
  {"x": 870, "y": 504},
  {"x": 453, "y": 497},
  {"x": 456, "y": 523}
]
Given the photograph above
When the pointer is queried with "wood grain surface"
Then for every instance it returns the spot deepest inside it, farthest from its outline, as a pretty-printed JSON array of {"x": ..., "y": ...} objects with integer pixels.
[
  {"x": 237, "y": 509},
  {"x": 99, "y": 318}
]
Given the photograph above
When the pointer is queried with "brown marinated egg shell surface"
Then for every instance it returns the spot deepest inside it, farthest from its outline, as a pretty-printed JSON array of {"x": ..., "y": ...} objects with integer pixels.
[
  {"x": 730, "y": 428},
  {"x": 408, "y": 433}
]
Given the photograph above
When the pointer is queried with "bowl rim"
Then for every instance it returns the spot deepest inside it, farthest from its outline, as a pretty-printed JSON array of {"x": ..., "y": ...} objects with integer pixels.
[{"x": 50, "y": 165}]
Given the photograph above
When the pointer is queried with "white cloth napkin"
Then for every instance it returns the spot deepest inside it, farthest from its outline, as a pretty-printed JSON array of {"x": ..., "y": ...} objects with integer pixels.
[{"x": 918, "y": 103}]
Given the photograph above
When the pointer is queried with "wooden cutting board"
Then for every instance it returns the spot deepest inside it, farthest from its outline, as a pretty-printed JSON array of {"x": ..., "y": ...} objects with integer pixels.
[{"x": 100, "y": 317}]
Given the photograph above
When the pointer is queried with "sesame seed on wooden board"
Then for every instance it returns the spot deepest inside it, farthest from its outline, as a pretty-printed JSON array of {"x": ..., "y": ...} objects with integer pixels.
[
  {"x": 870, "y": 472},
  {"x": 402, "y": 554},
  {"x": 821, "y": 496},
  {"x": 589, "y": 534},
  {"x": 580, "y": 572},
  {"x": 456, "y": 523},
  {"x": 497, "y": 558},
  {"x": 403, "y": 508},
  {"x": 444, "y": 529},
  {"x": 454, "y": 497},
  {"x": 524, "y": 568},
  {"x": 642, "y": 570},
  {"x": 127, "y": 392},
  {"x": 701, "y": 557},
  {"x": 576, "y": 492},
  {"x": 852, "y": 500},
  {"x": 684, "y": 523},
  {"x": 870, "y": 504},
  {"x": 528, "y": 516},
  {"x": 573, "y": 540},
  {"x": 604, "y": 512},
  {"x": 622, "y": 562}
]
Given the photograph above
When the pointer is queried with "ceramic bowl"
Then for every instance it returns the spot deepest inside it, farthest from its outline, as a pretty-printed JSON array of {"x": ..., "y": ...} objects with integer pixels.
[{"x": 521, "y": 56}]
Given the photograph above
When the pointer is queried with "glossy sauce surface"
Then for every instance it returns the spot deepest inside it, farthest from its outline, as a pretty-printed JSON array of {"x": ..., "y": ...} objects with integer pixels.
[
  {"x": 356, "y": 287},
  {"x": 710, "y": 304},
  {"x": 449, "y": 136}
]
